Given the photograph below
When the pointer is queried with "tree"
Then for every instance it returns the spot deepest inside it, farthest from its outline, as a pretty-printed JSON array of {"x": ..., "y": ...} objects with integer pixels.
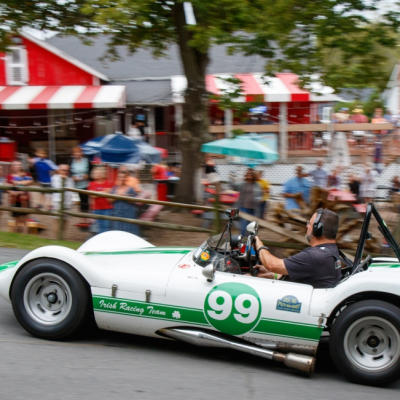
[{"x": 297, "y": 35}]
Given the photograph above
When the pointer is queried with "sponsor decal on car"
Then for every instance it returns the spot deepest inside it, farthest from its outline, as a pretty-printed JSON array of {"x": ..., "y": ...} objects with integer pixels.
[
  {"x": 224, "y": 309},
  {"x": 288, "y": 303},
  {"x": 148, "y": 310},
  {"x": 205, "y": 256}
]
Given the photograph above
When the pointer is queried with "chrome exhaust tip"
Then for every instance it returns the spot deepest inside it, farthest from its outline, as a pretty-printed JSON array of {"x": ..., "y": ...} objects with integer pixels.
[{"x": 300, "y": 362}]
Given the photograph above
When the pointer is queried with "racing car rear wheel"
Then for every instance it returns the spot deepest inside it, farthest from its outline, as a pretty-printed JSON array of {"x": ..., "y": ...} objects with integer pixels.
[
  {"x": 50, "y": 299},
  {"x": 365, "y": 342}
]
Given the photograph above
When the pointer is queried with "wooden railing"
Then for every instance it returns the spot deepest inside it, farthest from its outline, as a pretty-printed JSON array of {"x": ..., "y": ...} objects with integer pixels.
[
  {"x": 62, "y": 212},
  {"x": 275, "y": 128}
]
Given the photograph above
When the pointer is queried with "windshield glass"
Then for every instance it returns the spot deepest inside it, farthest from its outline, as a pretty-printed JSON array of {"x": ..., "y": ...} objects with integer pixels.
[{"x": 207, "y": 254}]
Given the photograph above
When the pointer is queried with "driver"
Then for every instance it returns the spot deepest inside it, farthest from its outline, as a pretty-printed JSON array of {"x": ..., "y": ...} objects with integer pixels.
[{"x": 318, "y": 265}]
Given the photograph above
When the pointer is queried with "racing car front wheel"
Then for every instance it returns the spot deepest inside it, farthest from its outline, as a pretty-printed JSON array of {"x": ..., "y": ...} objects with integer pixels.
[
  {"x": 365, "y": 342},
  {"x": 50, "y": 299}
]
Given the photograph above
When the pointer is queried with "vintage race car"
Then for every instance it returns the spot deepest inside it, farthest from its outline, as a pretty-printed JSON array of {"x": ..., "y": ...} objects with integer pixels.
[{"x": 202, "y": 296}]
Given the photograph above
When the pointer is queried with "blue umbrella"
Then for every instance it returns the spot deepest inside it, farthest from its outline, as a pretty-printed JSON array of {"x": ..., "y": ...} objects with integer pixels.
[{"x": 118, "y": 148}]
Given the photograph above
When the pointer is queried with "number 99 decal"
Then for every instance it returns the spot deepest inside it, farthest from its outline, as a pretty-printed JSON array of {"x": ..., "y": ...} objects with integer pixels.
[{"x": 233, "y": 308}]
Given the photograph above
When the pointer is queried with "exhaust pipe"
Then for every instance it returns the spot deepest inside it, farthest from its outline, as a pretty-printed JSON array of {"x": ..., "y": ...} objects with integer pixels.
[
  {"x": 300, "y": 362},
  {"x": 287, "y": 347}
]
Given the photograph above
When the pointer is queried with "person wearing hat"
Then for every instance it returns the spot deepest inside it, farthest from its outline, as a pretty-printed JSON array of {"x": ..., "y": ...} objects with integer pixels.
[
  {"x": 342, "y": 116},
  {"x": 358, "y": 117}
]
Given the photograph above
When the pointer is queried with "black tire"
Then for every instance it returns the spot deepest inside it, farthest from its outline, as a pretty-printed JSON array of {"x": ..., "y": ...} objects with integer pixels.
[
  {"x": 50, "y": 299},
  {"x": 365, "y": 342}
]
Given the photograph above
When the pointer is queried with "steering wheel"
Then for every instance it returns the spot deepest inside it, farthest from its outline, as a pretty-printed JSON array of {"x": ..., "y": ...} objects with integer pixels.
[{"x": 363, "y": 265}]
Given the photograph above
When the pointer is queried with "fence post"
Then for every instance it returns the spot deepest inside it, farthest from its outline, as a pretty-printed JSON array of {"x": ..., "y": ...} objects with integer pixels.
[
  {"x": 61, "y": 220},
  {"x": 217, "y": 219}
]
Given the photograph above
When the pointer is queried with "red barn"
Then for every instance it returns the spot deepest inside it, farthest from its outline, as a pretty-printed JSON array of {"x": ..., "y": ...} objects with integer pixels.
[{"x": 46, "y": 94}]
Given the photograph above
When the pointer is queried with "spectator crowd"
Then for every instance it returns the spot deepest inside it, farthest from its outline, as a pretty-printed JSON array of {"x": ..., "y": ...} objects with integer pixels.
[{"x": 79, "y": 173}]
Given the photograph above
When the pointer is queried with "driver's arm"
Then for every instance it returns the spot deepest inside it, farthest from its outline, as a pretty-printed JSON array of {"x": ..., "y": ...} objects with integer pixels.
[{"x": 269, "y": 261}]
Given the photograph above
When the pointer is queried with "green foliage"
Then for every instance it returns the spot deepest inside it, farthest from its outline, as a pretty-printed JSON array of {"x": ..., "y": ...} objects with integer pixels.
[
  {"x": 30, "y": 242},
  {"x": 329, "y": 37}
]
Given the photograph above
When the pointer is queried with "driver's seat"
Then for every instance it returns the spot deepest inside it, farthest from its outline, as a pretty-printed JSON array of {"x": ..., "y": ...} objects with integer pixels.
[{"x": 347, "y": 265}]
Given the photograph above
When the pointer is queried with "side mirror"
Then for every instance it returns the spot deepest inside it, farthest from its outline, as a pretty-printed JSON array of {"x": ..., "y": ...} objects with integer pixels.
[
  {"x": 252, "y": 228},
  {"x": 209, "y": 272}
]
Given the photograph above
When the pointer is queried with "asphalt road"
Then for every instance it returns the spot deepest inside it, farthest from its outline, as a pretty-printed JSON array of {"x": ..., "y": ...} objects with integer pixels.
[{"x": 114, "y": 366}]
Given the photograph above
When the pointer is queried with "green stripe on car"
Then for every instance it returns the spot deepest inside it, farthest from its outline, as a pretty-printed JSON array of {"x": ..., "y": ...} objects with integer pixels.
[
  {"x": 384, "y": 265},
  {"x": 150, "y": 250},
  {"x": 148, "y": 310},
  {"x": 10, "y": 264},
  {"x": 288, "y": 329},
  {"x": 195, "y": 316}
]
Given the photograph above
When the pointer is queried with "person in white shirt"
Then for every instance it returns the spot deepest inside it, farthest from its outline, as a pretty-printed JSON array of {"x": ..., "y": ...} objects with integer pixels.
[
  {"x": 134, "y": 131},
  {"x": 368, "y": 184},
  {"x": 59, "y": 180}
]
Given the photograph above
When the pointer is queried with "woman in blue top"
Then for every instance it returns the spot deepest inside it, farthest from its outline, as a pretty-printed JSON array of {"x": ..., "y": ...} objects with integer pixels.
[{"x": 123, "y": 208}]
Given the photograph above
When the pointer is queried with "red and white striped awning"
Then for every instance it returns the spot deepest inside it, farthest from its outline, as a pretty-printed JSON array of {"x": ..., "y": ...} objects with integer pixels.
[
  {"x": 61, "y": 97},
  {"x": 257, "y": 87}
]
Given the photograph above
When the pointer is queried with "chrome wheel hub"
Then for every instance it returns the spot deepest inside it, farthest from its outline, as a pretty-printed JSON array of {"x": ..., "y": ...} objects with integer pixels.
[
  {"x": 372, "y": 343},
  {"x": 47, "y": 298}
]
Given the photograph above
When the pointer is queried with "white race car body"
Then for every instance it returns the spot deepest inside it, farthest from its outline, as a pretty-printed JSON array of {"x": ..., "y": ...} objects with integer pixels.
[
  {"x": 135, "y": 287},
  {"x": 142, "y": 290}
]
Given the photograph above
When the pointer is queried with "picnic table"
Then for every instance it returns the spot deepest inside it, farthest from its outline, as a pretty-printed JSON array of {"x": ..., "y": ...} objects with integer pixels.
[
  {"x": 227, "y": 197},
  {"x": 341, "y": 195}
]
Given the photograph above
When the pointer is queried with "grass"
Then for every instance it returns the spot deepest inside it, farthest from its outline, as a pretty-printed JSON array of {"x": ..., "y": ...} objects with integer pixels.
[{"x": 30, "y": 242}]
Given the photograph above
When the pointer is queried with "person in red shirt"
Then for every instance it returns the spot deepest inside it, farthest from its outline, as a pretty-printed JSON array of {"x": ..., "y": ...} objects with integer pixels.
[
  {"x": 100, "y": 205},
  {"x": 160, "y": 175}
]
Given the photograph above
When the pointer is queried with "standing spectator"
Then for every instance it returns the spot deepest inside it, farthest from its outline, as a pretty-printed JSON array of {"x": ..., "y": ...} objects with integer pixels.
[
  {"x": 354, "y": 186},
  {"x": 134, "y": 131},
  {"x": 80, "y": 175},
  {"x": 394, "y": 192},
  {"x": 59, "y": 180},
  {"x": 296, "y": 190},
  {"x": 334, "y": 180},
  {"x": 264, "y": 185},
  {"x": 132, "y": 180},
  {"x": 159, "y": 172},
  {"x": 319, "y": 175},
  {"x": 211, "y": 172},
  {"x": 342, "y": 116},
  {"x": 123, "y": 208},
  {"x": 18, "y": 177},
  {"x": 43, "y": 169},
  {"x": 2, "y": 182},
  {"x": 250, "y": 196},
  {"x": 378, "y": 119},
  {"x": 368, "y": 184},
  {"x": 358, "y": 117},
  {"x": 395, "y": 185},
  {"x": 100, "y": 205}
]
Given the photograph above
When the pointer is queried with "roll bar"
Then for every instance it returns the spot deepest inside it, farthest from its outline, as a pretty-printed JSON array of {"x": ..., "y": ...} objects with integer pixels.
[{"x": 371, "y": 210}]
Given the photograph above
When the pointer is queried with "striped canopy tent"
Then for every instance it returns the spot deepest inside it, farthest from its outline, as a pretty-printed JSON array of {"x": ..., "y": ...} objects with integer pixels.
[
  {"x": 61, "y": 97},
  {"x": 20, "y": 103},
  {"x": 282, "y": 88}
]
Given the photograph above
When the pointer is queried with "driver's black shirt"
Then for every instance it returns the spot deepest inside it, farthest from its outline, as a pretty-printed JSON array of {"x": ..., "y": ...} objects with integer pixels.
[{"x": 316, "y": 266}]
